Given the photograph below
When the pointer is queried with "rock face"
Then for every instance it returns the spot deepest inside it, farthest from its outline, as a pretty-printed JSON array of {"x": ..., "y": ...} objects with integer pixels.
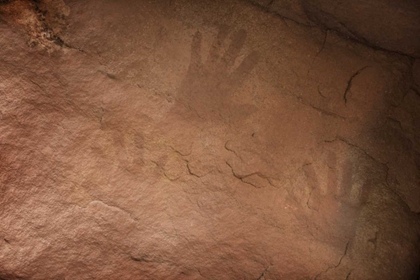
[
  {"x": 203, "y": 140},
  {"x": 385, "y": 24}
]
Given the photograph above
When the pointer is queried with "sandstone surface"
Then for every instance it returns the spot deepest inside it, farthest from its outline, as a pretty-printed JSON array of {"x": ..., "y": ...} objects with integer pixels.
[
  {"x": 383, "y": 24},
  {"x": 176, "y": 139}
]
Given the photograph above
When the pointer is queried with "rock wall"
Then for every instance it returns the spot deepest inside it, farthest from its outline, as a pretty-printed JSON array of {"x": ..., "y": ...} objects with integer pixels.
[
  {"x": 205, "y": 140},
  {"x": 385, "y": 24}
]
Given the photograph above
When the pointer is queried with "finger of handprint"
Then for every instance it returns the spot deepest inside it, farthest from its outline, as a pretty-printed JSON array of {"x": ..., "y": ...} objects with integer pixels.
[
  {"x": 360, "y": 184},
  {"x": 313, "y": 200},
  {"x": 217, "y": 44},
  {"x": 245, "y": 68},
  {"x": 232, "y": 53},
  {"x": 362, "y": 193},
  {"x": 311, "y": 176},
  {"x": 347, "y": 181},
  {"x": 195, "y": 60},
  {"x": 355, "y": 194},
  {"x": 332, "y": 187}
]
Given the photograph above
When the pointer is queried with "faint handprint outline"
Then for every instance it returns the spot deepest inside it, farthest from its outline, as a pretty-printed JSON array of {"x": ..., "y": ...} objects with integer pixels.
[
  {"x": 335, "y": 197},
  {"x": 208, "y": 86}
]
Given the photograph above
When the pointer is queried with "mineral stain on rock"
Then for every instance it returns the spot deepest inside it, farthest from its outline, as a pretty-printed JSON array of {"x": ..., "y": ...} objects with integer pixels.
[{"x": 41, "y": 20}]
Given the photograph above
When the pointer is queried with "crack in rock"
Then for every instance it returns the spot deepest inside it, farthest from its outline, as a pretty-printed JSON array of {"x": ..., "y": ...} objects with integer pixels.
[
  {"x": 267, "y": 9},
  {"x": 313, "y": 23},
  {"x": 191, "y": 172},
  {"x": 106, "y": 205},
  {"x": 142, "y": 258},
  {"x": 347, "y": 142},
  {"x": 310, "y": 194},
  {"x": 323, "y": 43},
  {"x": 322, "y": 111},
  {"x": 320, "y": 93},
  {"x": 243, "y": 177},
  {"x": 334, "y": 266},
  {"x": 262, "y": 275},
  {"x": 232, "y": 151},
  {"x": 179, "y": 152},
  {"x": 350, "y": 82},
  {"x": 163, "y": 171},
  {"x": 146, "y": 258}
]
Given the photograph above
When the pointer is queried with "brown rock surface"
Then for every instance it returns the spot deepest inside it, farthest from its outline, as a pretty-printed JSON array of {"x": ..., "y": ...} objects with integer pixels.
[
  {"x": 202, "y": 140},
  {"x": 384, "y": 24}
]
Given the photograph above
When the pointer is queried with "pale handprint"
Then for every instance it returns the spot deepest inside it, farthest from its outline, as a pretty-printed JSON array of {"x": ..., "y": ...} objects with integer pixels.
[
  {"x": 208, "y": 87},
  {"x": 336, "y": 191}
]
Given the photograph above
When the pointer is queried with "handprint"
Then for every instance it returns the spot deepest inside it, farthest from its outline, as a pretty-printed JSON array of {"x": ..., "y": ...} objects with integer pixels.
[
  {"x": 336, "y": 191},
  {"x": 208, "y": 87}
]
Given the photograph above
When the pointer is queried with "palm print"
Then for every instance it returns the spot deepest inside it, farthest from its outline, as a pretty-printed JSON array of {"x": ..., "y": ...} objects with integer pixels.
[{"x": 208, "y": 86}]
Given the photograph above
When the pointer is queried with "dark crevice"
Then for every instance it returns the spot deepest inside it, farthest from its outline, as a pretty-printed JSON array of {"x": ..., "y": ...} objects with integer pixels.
[
  {"x": 327, "y": 113},
  {"x": 350, "y": 82},
  {"x": 355, "y": 146},
  {"x": 143, "y": 258},
  {"x": 238, "y": 176},
  {"x": 323, "y": 43},
  {"x": 322, "y": 111},
  {"x": 351, "y": 36},
  {"x": 242, "y": 178},
  {"x": 268, "y": 10},
  {"x": 375, "y": 47}
]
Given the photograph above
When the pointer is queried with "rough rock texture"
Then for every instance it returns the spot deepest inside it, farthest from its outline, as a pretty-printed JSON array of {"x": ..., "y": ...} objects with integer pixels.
[
  {"x": 43, "y": 21},
  {"x": 202, "y": 140},
  {"x": 384, "y": 24}
]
